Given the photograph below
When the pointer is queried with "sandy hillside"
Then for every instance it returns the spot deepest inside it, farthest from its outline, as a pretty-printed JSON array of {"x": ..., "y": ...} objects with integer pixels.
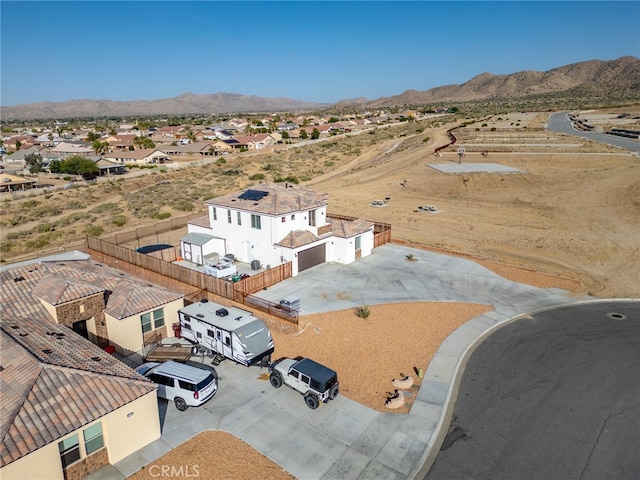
[{"x": 573, "y": 212}]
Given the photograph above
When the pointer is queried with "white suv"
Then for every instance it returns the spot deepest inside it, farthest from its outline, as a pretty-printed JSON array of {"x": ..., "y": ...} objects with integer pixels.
[{"x": 185, "y": 385}]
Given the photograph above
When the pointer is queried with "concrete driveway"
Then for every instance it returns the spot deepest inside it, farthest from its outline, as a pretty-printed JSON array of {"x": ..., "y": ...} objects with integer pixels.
[{"x": 343, "y": 439}]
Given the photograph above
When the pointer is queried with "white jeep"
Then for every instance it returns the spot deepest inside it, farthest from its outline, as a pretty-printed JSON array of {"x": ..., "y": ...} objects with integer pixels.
[{"x": 314, "y": 381}]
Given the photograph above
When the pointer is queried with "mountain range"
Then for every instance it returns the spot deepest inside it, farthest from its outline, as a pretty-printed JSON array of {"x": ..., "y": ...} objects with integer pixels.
[{"x": 614, "y": 80}]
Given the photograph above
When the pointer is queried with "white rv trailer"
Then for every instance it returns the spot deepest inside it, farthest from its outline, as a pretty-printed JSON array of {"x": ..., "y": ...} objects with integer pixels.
[{"x": 226, "y": 332}]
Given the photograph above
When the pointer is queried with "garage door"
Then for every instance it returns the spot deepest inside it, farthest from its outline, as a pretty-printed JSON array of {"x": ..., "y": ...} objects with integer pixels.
[{"x": 311, "y": 257}]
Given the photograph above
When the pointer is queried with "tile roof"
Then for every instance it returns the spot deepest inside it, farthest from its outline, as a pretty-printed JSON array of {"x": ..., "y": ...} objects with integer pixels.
[
  {"x": 58, "y": 282},
  {"x": 297, "y": 238},
  {"x": 53, "y": 382},
  {"x": 281, "y": 199},
  {"x": 350, "y": 228}
]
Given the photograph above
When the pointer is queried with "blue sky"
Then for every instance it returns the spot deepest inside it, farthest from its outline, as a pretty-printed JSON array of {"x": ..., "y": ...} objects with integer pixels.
[{"x": 314, "y": 51}]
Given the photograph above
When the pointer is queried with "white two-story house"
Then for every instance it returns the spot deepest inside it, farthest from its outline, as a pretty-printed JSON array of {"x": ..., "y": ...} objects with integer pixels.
[{"x": 274, "y": 223}]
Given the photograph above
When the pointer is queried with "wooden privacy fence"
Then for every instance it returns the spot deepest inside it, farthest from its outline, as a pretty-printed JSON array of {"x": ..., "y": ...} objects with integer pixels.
[
  {"x": 160, "y": 262},
  {"x": 150, "y": 230}
]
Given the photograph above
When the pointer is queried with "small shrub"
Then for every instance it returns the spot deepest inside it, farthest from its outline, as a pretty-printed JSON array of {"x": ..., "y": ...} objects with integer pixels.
[
  {"x": 328, "y": 163},
  {"x": 6, "y": 247},
  {"x": 363, "y": 311},
  {"x": 411, "y": 257},
  {"x": 183, "y": 206},
  {"x": 221, "y": 161},
  {"x": 94, "y": 230},
  {"x": 426, "y": 139},
  {"x": 160, "y": 215},
  {"x": 29, "y": 204},
  {"x": 119, "y": 220},
  {"x": 42, "y": 228},
  {"x": 305, "y": 178},
  {"x": 257, "y": 176}
]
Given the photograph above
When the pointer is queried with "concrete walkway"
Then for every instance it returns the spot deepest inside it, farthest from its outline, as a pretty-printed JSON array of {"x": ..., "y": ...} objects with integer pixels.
[{"x": 343, "y": 439}]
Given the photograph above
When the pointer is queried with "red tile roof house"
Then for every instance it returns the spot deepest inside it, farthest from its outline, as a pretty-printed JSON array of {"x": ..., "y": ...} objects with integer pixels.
[
  {"x": 275, "y": 223},
  {"x": 67, "y": 406}
]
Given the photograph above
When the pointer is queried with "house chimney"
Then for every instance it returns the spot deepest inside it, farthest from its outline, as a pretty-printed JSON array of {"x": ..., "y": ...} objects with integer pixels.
[{"x": 286, "y": 185}]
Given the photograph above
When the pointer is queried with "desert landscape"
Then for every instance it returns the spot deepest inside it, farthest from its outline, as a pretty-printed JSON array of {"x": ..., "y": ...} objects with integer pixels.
[{"x": 568, "y": 219}]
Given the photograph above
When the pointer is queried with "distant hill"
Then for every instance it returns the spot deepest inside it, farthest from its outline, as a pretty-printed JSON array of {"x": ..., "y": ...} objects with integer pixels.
[
  {"x": 187, "y": 103},
  {"x": 614, "y": 80}
]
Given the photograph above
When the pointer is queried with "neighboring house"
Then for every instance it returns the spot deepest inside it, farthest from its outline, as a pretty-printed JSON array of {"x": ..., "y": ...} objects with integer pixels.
[
  {"x": 256, "y": 142},
  {"x": 203, "y": 149},
  {"x": 107, "y": 307},
  {"x": 12, "y": 183},
  {"x": 66, "y": 149},
  {"x": 275, "y": 223},
  {"x": 108, "y": 167},
  {"x": 20, "y": 155},
  {"x": 67, "y": 407},
  {"x": 138, "y": 157}
]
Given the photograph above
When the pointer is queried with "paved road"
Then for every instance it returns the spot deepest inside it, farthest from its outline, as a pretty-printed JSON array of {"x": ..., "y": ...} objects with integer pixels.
[
  {"x": 555, "y": 396},
  {"x": 559, "y": 123}
]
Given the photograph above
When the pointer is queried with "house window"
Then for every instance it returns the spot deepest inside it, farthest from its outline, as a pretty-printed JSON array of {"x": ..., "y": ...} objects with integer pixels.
[
  {"x": 69, "y": 450},
  {"x": 293, "y": 217},
  {"x": 215, "y": 213},
  {"x": 93, "y": 440},
  {"x": 239, "y": 220},
  {"x": 158, "y": 320},
  {"x": 229, "y": 216},
  {"x": 312, "y": 218},
  {"x": 358, "y": 243},
  {"x": 255, "y": 222},
  {"x": 283, "y": 219},
  {"x": 145, "y": 320}
]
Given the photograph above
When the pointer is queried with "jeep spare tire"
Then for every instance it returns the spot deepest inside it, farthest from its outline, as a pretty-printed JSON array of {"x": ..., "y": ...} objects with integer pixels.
[
  {"x": 312, "y": 401},
  {"x": 333, "y": 393},
  {"x": 275, "y": 379}
]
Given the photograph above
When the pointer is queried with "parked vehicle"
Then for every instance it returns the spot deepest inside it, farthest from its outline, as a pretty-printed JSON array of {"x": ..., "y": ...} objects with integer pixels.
[
  {"x": 313, "y": 380},
  {"x": 226, "y": 332},
  {"x": 185, "y": 385}
]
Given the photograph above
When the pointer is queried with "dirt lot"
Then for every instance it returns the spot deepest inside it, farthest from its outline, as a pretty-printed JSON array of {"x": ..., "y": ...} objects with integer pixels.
[{"x": 572, "y": 212}]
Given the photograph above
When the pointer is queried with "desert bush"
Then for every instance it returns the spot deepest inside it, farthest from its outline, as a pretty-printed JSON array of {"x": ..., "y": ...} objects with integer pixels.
[
  {"x": 269, "y": 167},
  {"x": 105, "y": 207},
  {"x": 221, "y": 161},
  {"x": 94, "y": 230},
  {"x": 119, "y": 220},
  {"x": 19, "y": 220},
  {"x": 73, "y": 218},
  {"x": 362, "y": 311},
  {"x": 329, "y": 163},
  {"x": 183, "y": 205},
  {"x": 160, "y": 215},
  {"x": 41, "y": 241},
  {"x": 42, "y": 227},
  {"x": 231, "y": 172},
  {"x": 426, "y": 139},
  {"x": 6, "y": 247},
  {"x": 289, "y": 178},
  {"x": 305, "y": 178},
  {"x": 30, "y": 204},
  {"x": 257, "y": 176}
]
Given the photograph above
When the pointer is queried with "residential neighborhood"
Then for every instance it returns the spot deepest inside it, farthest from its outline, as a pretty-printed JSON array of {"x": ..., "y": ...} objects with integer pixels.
[{"x": 114, "y": 149}]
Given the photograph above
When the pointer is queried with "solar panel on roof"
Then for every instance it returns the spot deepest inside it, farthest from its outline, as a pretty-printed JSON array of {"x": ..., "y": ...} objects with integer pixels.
[{"x": 253, "y": 195}]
